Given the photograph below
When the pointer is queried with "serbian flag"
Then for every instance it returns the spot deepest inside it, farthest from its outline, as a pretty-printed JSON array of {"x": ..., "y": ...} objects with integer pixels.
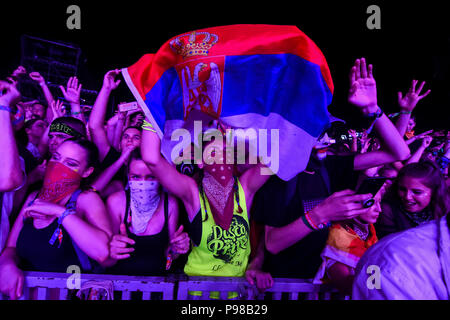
[{"x": 273, "y": 79}]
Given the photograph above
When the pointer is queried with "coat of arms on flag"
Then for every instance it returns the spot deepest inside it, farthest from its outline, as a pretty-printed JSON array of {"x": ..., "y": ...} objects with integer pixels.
[{"x": 262, "y": 77}]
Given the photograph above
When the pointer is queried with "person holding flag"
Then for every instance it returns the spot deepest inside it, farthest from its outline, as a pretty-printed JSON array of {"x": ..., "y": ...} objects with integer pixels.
[{"x": 260, "y": 77}]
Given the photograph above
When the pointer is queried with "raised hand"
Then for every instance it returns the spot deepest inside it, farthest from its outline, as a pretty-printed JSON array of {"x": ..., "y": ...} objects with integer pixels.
[
  {"x": 36, "y": 76},
  {"x": 426, "y": 141},
  {"x": 57, "y": 109},
  {"x": 363, "y": 88},
  {"x": 109, "y": 80},
  {"x": 409, "y": 101},
  {"x": 20, "y": 70},
  {"x": 352, "y": 133},
  {"x": 118, "y": 247},
  {"x": 72, "y": 93},
  {"x": 9, "y": 95},
  {"x": 14, "y": 77}
]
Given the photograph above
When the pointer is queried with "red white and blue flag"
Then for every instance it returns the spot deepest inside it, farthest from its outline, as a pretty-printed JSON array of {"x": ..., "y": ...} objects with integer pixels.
[{"x": 248, "y": 76}]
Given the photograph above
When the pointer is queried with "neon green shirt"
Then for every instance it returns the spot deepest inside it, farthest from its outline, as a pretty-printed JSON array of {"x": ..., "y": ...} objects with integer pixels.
[{"x": 222, "y": 253}]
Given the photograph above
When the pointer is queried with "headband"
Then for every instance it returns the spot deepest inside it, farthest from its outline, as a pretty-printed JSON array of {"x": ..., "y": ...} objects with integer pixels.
[{"x": 64, "y": 128}]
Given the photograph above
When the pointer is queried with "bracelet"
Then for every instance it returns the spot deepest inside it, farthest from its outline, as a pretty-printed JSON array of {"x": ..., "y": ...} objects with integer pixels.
[
  {"x": 58, "y": 234},
  {"x": 306, "y": 222},
  {"x": 77, "y": 113},
  {"x": 6, "y": 108},
  {"x": 65, "y": 214},
  {"x": 147, "y": 126},
  {"x": 310, "y": 223},
  {"x": 377, "y": 115}
]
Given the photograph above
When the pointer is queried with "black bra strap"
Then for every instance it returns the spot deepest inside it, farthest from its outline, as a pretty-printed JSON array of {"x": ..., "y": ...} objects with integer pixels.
[{"x": 127, "y": 208}]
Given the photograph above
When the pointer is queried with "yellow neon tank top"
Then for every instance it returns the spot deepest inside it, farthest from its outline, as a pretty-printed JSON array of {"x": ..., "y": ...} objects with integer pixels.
[{"x": 222, "y": 253}]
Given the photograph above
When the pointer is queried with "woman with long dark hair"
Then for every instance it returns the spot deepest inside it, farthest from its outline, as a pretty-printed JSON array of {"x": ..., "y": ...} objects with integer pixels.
[
  {"x": 144, "y": 217},
  {"x": 419, "y": 194},
  {"x": 61, "y": 224}
]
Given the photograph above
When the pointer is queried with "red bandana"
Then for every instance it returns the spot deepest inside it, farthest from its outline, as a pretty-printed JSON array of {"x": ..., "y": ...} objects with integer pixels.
[
  {"x": 218, "y": 185},
  {"x": 59, "y": 181}
]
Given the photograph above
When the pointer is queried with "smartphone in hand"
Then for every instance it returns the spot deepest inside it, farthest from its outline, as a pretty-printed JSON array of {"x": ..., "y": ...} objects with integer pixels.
[{"x": 371, "y": 185}]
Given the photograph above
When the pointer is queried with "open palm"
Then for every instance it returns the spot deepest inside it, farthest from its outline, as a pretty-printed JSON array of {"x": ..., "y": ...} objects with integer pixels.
[
  {"x": 363, "y": 88},
  {"x": 72, "y": 93}
]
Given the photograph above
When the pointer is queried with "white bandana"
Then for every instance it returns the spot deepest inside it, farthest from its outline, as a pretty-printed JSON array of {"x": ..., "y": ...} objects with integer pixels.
[
  {"x": 216, "y": 193},
  {"x": 144, "y": 201}
]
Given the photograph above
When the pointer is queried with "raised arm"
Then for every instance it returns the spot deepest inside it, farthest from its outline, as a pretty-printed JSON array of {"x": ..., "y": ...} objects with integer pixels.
[
  {"x": 36, "y": 76},
  {"x": 104, "y": 179},
  {"x": 363, "y": 94},
  {"x": 254, "y": 178},
  {"x": 118, "y": 129},
  {"x": 56, "y": 111},
  {"x": 417, "y": 155},
  {"x": 98, "y": 113},
  {"x": 72, "y": 95},
  {"x": 407, "y": 104},
  {"x": 11, "y": 175},
  {"x": 180, "y": 185}
]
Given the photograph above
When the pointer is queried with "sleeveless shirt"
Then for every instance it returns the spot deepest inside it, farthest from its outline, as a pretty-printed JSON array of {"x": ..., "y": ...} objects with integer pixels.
[
  {"x": 149, "y": 256},
  {"x": 222, "y": 253}
]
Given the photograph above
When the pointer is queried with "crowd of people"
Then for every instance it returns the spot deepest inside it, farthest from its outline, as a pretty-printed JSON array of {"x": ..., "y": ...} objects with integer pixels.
[{"x": 81, "y": 189}]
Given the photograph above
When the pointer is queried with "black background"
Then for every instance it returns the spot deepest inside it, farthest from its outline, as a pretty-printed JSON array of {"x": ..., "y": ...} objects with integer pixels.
[{"x": 413, "y": 43}]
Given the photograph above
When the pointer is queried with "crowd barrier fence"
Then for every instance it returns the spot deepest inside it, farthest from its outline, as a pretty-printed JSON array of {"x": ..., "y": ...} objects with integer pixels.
[{"x": 63, "y": 286}]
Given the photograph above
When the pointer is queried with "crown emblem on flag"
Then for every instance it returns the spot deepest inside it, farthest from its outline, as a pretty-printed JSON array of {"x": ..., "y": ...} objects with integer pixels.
[{"x": 194, "y": 44}]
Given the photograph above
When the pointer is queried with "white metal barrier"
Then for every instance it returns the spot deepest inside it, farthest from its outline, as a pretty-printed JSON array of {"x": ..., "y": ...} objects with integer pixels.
[{"x": 57, "y": 286}]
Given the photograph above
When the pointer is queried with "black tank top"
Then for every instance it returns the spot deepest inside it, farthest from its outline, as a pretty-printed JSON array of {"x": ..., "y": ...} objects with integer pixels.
[
  {"x": 37, "y": 254},
  {"x": 149, "y": 255}
]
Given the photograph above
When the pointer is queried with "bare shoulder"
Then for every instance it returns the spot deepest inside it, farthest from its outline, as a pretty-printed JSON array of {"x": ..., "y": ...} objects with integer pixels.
[
  {"x": 89, "y": 202},
  {"x": 87, "y": 197},
  {"x": 116, "y": 199}
]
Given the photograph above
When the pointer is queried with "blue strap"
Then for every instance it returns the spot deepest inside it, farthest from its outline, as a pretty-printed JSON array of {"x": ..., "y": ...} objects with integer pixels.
[{"x": 84, "y": 259}]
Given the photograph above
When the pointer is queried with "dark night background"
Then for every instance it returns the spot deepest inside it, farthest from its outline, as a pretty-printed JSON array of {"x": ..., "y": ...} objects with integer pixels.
[{"x": 413, "y": 43}]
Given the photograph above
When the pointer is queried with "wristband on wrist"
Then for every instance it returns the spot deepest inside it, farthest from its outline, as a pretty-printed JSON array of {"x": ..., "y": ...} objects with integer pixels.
[
  {"x": 306, "y": 222},
  {"x": 147, "y": 126},
  {"x": 310, "y": 223},
  {"x": 77, "y": 113},
  {"x": 5, "y": 108},
  {"x": 375, "y": 115},
  {"x": 57, "y": 234},
  {"x": 65, "y": 214}
]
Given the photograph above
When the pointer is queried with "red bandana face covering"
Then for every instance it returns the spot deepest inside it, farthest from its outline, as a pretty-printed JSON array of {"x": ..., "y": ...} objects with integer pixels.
[
  {"x": 409, "y": 134},
  {"x": 59, "y": 181},
  {"x": 218, "y": 185}
]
